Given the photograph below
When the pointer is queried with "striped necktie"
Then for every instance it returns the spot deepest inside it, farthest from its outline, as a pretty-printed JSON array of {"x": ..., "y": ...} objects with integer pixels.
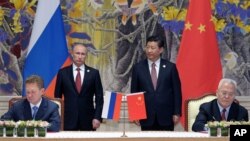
[{"x": 223, "y": 114}]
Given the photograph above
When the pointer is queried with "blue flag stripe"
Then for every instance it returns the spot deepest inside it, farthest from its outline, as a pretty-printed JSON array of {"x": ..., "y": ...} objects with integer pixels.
[
  {"x": 47, "y": 53},
  {"x": 112, "y": 105},
  {"x": 45, "y": 60}
]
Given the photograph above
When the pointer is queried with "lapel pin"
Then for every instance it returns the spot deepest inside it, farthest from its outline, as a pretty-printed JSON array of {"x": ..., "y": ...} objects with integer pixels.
[
  {"x": 88, "y": 70},
  {"x": 164, "y": 66}
]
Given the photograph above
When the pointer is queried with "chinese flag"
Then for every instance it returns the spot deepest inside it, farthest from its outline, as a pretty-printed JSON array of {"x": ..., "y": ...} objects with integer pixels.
[
  {"x": 136, "y": 106},
  {"x": 198, "y": 59}
]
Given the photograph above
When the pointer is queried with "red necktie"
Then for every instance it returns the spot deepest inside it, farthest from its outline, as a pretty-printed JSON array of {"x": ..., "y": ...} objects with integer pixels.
[
  {"x": 223, "y": 114},
  {"x": 78, "y": 80},
  {"x": 153, "y": 75}
]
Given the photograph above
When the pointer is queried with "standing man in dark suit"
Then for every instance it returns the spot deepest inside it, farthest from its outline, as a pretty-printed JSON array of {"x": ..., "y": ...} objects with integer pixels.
[
  {"x": 80, "y": 84},
  {"x": 159, "y": 79},
  {"x": 45, "y": 109},
  {"x": 222, "y": 108}
]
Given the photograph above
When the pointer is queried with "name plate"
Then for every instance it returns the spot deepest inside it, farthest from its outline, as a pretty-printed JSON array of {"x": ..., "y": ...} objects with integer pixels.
[{"x": 239, "y": 132}]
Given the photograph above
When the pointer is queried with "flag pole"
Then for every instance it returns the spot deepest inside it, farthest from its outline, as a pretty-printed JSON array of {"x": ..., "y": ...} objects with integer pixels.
[{"x": 124, "y": 119}]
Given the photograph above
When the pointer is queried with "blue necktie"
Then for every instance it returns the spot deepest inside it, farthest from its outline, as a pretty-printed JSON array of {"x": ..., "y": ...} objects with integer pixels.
[{"x": 35, "y": 108}]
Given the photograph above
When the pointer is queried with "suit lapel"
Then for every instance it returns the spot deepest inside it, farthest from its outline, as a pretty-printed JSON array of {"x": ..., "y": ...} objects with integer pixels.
[
  {"x": 216, "y": 110},
  {"x": 86, "y": 77},
  {"x": 42, "y": 109},
  {"x": 232, "y": 115},
  {"x": 27, "y": 110},
  {"x": 233, "y": 112},
  {"x": 146, "y": 68},
  {"x": 162, "y": 70},
  {"x": 71, "y": 75},
  {"x": 147, "y": 73}
]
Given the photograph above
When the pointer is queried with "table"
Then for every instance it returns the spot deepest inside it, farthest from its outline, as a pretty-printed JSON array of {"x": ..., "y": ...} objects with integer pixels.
[{"x": 117, "y": 136}]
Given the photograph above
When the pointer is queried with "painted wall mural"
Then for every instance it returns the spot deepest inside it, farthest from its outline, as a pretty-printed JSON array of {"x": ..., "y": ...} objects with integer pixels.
[{"x": 115, "y": 33}]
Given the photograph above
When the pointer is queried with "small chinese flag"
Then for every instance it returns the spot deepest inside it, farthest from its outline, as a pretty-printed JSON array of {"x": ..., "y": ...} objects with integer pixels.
[
  {"x": 198, "y": 59},
  {"x": 136, "y": 106}
]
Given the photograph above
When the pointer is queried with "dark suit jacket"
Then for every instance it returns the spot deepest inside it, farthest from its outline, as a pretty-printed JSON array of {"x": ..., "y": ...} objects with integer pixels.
[
  {"x": 165, "y": 101},
  {"x": 210, "y": 112},
  {"x": 79, "y": 109},
  {"x": 48, "y": 111}
]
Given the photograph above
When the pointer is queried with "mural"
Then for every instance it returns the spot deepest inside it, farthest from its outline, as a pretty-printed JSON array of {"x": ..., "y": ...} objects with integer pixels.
[{"x": 115, "y": 32}]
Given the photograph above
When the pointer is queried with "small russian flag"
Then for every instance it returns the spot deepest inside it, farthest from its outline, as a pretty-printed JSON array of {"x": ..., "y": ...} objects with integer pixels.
[{"x": 112, "y": 105}]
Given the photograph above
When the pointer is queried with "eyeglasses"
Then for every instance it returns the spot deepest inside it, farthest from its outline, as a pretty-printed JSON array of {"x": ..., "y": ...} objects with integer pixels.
[{"x": 225, "y": 93}]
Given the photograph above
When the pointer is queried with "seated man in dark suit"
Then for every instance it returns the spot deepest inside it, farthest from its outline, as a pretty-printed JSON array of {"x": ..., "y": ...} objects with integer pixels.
[
  {"x": 45, "y": 109},
  {"x": 222, "y": 108}
]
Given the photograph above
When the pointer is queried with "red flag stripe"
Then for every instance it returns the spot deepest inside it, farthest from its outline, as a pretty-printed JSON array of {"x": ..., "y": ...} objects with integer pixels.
[
  {"x": 51, "y": 88},
  {"x": 116, "y": 115}
]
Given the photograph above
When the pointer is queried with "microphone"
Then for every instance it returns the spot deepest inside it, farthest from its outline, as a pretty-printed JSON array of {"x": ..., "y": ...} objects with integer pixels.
[{"x": 207, "y": 113}]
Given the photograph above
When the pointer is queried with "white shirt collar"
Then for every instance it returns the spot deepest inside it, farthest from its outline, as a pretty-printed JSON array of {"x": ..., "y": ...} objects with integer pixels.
[
  {"x": 82, "y": 67},
  {"x": 221, "y": 108},
  {"x": 157, "y": 62},
  {"x": 37, "y": 105}
]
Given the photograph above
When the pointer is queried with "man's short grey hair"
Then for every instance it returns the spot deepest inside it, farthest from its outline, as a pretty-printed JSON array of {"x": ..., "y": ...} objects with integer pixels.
[{"x": 227, "y": 80}]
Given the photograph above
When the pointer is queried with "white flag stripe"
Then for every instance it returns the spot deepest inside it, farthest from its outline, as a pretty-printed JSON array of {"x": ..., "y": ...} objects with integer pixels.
[
  {"x": 40, "y": 22},
  {"x": 106, "y": 104}
]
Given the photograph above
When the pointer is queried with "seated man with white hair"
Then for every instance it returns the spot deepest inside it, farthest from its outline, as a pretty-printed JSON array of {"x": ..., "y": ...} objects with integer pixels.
[{"x": 222, "y": 108}]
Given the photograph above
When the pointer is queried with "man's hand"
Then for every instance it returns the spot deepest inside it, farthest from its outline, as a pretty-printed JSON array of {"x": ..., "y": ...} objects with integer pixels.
[
  {"x": 176, "y": 119},
  {"x": 137, "y": 122},
  {"x": 96, "y": 123}
]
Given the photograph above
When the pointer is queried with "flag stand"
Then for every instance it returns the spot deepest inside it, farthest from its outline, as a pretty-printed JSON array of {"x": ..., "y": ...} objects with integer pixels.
[{"x": 124, "y": 119}]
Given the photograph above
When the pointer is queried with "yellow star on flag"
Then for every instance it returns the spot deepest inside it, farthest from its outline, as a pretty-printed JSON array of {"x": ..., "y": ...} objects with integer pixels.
[
  {"x": 213, "y": 18},
  {"x": 201, "y": 28},
  {"x": 198, "y": 52},
  {"x": 188, "y": 26}
]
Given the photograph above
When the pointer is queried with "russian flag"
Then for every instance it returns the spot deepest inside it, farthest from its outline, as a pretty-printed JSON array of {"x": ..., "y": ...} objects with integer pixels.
[
  {"x": 112, "y": 105},
  {"x": 47, "y": 50}
]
